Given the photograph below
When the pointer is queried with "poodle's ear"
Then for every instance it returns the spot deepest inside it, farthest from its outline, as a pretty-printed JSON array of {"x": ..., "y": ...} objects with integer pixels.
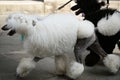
[
  {"x": 11, "y": 32},
  {"x": 33, "y": 22}
]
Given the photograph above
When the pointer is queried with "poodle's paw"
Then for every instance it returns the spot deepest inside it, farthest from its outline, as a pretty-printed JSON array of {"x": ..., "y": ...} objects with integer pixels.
[
  {"x": 25, "y": 66},
  {"x": 112, "y": 62},
  {"x": 74, "y": 70}
]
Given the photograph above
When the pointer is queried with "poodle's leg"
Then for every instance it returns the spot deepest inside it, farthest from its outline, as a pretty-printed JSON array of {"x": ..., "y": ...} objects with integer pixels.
[
  {"x": 67, "y": 67},
  {"x": 98, "y": 49},
  {"x": 81, "y": 46},
  {"x": 60, "y": 63},
  {"x": 75, "y": 69},
  {"x": 96, "y": 54},
  {"x": 26, "y": 65},
  {"x": 111, "y": 61}
]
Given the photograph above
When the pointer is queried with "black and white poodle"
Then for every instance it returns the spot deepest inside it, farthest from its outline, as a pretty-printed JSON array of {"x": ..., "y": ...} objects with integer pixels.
[{"x": 107, "y": 23}]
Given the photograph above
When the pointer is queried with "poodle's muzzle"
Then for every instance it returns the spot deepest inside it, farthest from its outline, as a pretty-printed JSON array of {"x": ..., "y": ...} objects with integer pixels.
[{"x": 11, "y": 32}]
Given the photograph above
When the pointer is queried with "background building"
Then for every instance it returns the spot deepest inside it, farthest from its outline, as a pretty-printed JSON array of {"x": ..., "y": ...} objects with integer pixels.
[{"x": 39, "y": 7}]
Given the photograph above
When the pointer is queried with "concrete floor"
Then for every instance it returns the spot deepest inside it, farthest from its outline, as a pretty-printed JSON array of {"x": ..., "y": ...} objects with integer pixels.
[{"x": 11, "y": 52}]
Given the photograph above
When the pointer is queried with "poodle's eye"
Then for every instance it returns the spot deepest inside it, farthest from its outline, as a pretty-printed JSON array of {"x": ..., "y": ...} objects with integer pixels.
[{"x": 33, "y": 23}]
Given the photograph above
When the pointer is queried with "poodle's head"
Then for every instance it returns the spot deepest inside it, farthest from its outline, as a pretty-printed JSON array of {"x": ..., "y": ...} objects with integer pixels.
[{"x": 19, "y": 23}]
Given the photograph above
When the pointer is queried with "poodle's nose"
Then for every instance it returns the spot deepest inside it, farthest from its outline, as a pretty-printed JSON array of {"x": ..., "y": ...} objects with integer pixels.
[
  {"x": 12, "y": 32},
  {"x": 5, "y": 28}
]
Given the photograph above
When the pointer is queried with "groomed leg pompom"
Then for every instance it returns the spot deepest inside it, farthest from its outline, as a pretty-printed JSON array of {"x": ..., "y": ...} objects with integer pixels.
[
  {"x": 25, "y": 66},
  {"x": 112, "y": 62},
  {"x": 74, "y": 70}
]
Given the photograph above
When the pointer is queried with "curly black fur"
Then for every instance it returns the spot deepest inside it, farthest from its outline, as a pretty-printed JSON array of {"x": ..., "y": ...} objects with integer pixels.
[{"x": 87, "y": 6}]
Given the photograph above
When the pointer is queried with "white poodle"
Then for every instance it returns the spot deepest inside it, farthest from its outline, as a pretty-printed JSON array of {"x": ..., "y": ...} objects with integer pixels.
[{"x": 55, "y": 35}]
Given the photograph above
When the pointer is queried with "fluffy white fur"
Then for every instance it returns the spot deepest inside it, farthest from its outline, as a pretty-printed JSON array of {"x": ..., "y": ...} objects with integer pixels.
[
  {"x": 74, "y": 70},
  {"x": 112, "y": 62},
  {"x": 67, "y": 66},
  {"x": 56, "y": 34},
  {"x": 86, "y": 29},
  {"x": 111, "y": 26},
  {"x": 25, "y": 66}
]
